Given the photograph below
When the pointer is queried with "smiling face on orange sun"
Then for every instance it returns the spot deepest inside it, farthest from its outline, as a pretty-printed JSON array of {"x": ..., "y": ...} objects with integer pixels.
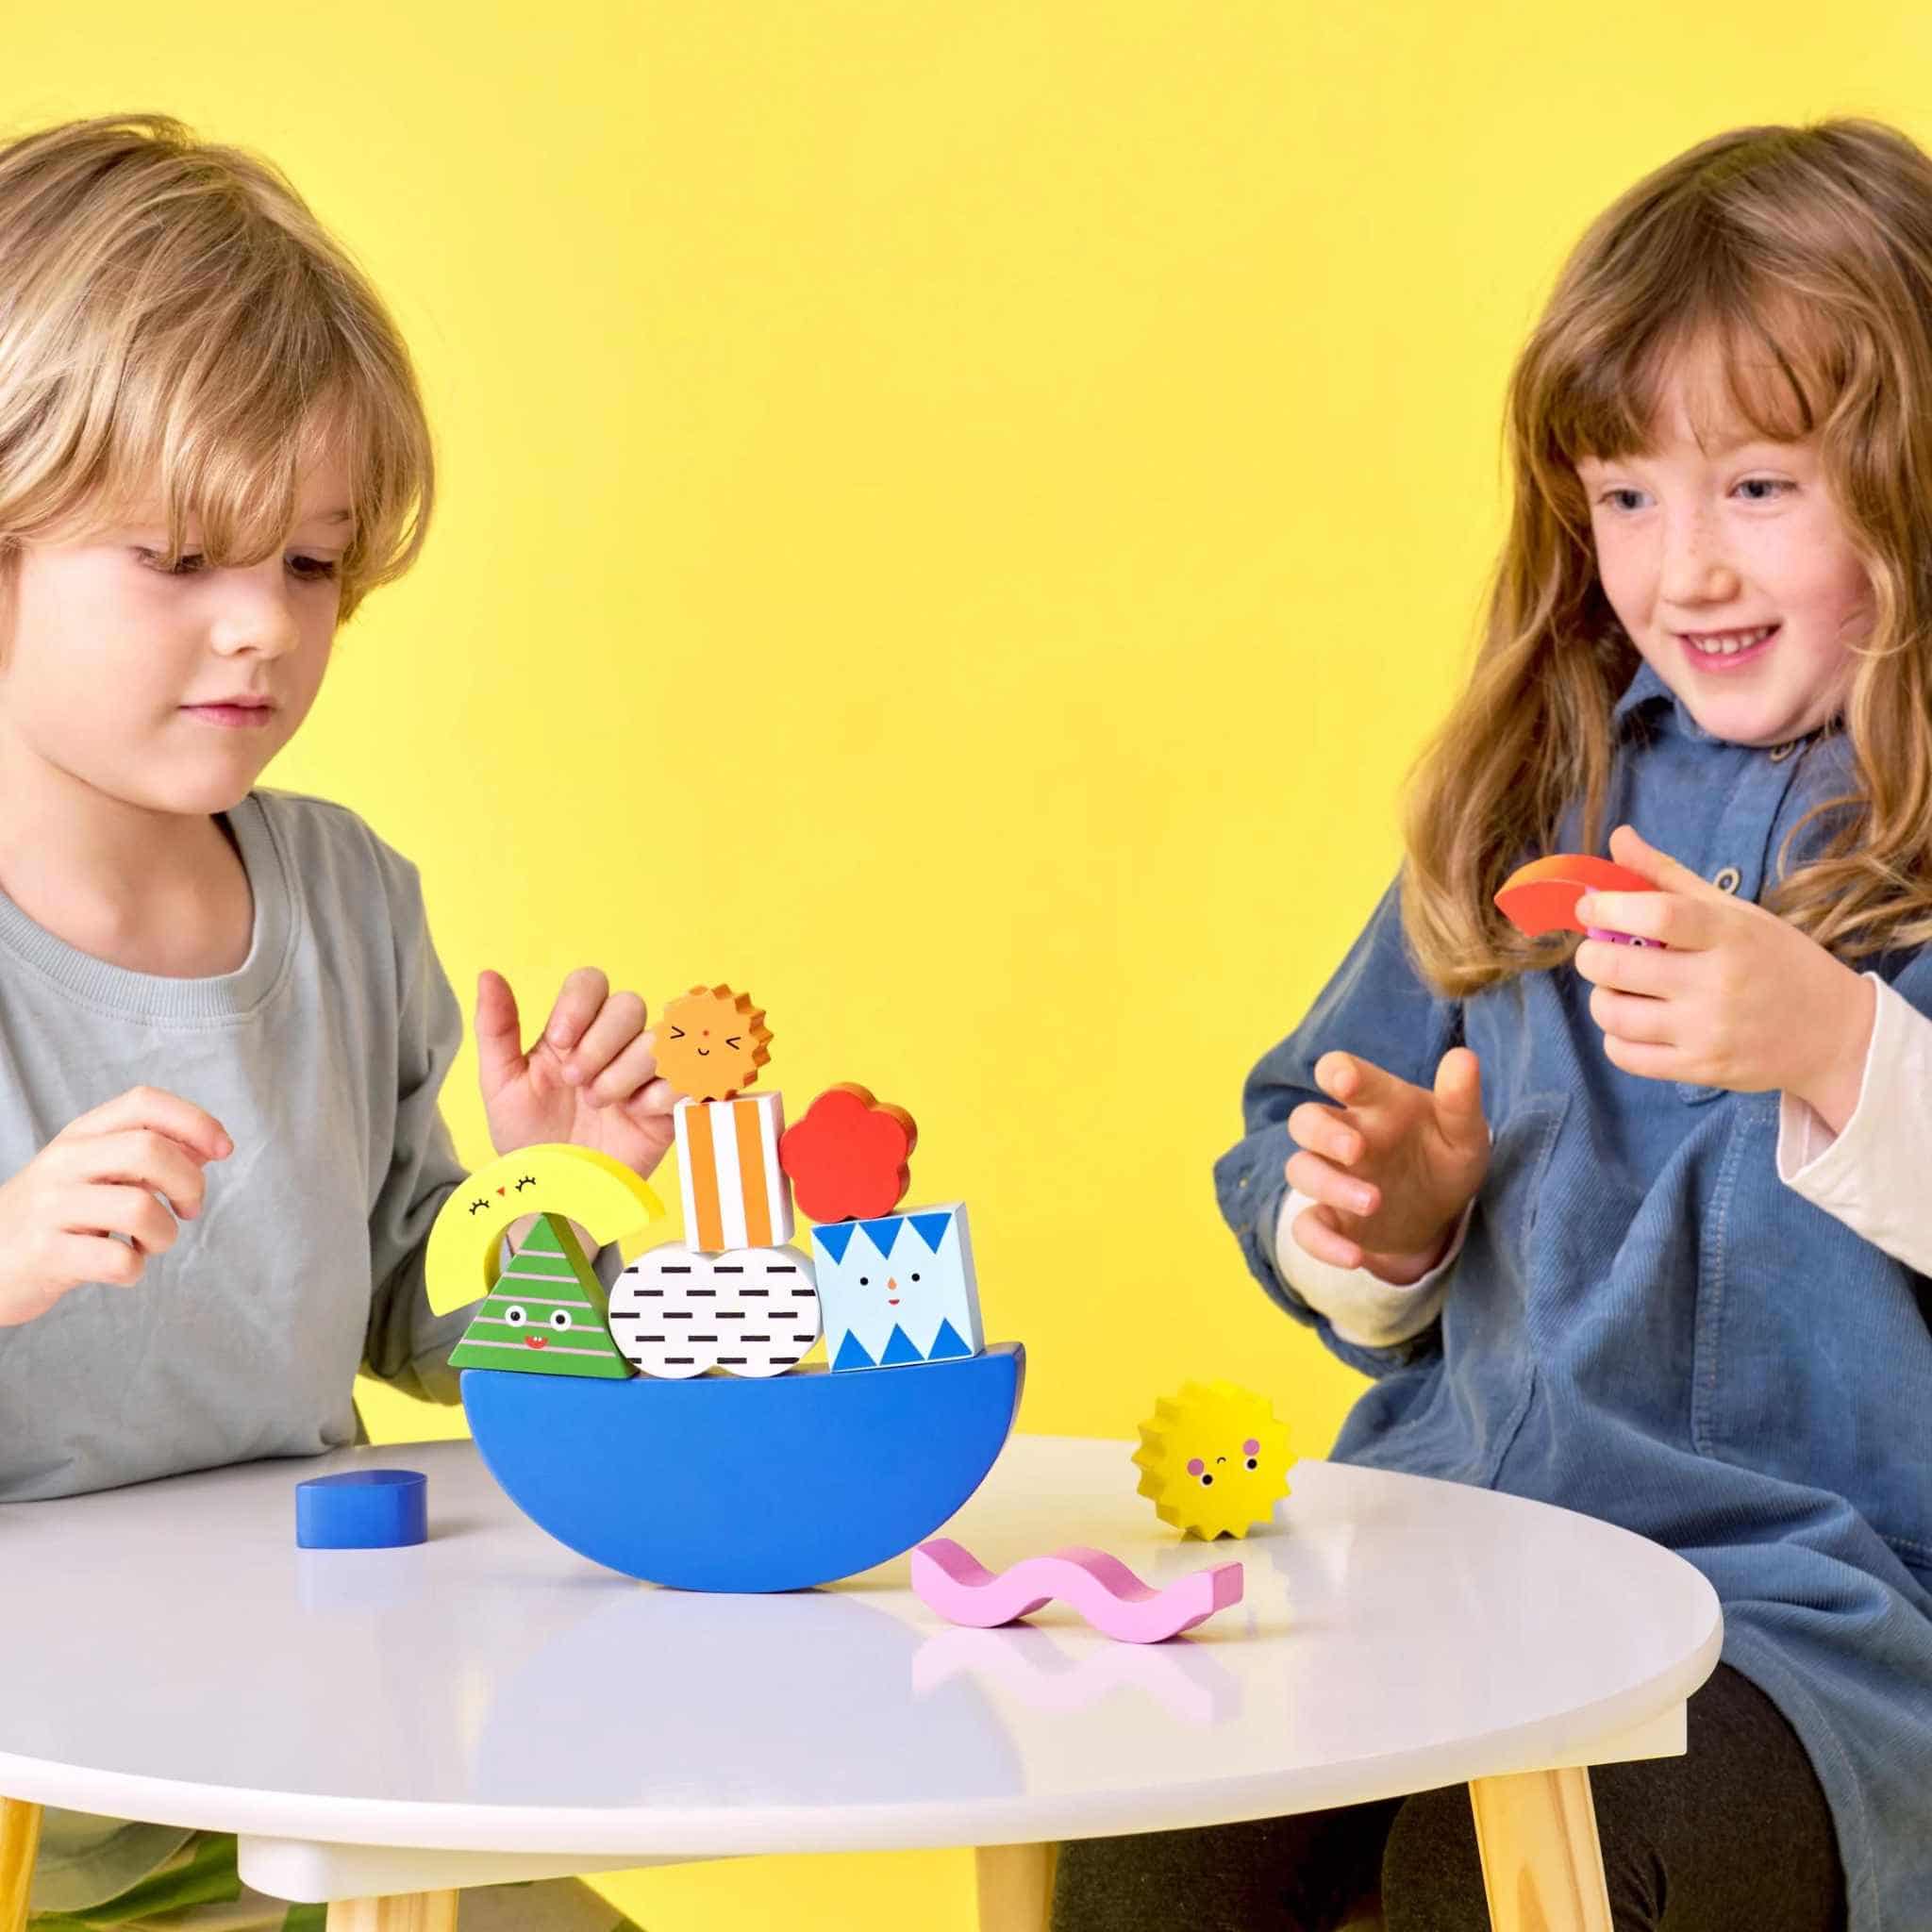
[{"x": 712, "y": 1042}]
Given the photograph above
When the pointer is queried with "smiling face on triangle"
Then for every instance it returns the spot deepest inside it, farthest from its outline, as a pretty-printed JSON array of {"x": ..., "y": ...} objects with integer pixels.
[{"x": 546, "y": 1315}]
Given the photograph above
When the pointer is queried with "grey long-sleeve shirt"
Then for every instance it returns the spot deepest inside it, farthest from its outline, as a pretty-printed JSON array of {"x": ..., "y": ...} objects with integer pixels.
[{"x": 323, "y": 1055}]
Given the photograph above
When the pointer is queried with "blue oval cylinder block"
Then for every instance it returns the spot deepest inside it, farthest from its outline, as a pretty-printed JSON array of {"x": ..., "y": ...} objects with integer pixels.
[{"x": 362, "y": 1509}]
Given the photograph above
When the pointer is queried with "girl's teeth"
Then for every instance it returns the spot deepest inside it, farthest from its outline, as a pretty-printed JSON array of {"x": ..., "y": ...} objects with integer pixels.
[{"x": 1729, "y": 647}]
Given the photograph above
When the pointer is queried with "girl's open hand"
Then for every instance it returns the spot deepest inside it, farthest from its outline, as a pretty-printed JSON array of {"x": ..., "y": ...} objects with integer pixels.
[
  {"x": 1739, "y": 998},
  {"x": 1392, "y": 1169},
  {"x": 591, "y": 1080}
]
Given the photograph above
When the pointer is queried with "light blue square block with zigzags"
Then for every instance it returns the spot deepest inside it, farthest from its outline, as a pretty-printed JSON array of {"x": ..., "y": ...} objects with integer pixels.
[{"x": 898, "y": 1290}]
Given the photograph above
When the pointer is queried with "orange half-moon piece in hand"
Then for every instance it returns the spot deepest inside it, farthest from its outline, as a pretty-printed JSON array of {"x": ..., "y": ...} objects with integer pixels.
[{"x": 1542, "y": 896}]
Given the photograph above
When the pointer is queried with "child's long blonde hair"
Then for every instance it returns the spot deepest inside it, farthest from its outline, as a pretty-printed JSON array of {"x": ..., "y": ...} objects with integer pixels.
[
  {"x": 175, "y": 322},
  {"x": 1807, "y": 252}
]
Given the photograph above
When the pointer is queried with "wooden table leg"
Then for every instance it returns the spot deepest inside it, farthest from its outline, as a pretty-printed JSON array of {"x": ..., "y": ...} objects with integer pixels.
[
  {"x": 1015, "y": 1887},
  {"x": 403, "y": 1911},
  {"x": 20, "y": 1835},
  {"x": 1543, "y": 1862}
]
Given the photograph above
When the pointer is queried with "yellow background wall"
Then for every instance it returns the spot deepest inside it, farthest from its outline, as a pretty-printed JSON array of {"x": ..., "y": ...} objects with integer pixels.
[{"x": 954, "y": 518}]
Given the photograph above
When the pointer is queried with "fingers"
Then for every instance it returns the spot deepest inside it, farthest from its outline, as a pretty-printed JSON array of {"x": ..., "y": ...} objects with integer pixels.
[
  {"x": 611, "y": 1059},
  {"x": 143, "y": 1161},
  {"x": 1351, "y": 1078},
  {"x": 112, "y": 1207},
  {"x": 99, "y": 1257},
  {"x": 1321, "y": 1129},
  {"x": 1636, "y": 970},
  {"x": 660, "y": 1096},
  {"x": 579, "y": 1003},
  {"x": 1316, "y": 1234},
  {"x": 1631, "y": 1017},
  {"x": 499, "y": 1032},
  {"x": 1338, "y": 1073},
  {"x": 1322, "y": 1180},
  {"x": 154, "y": 1108},
  {"x": 1459, "y": 1087}
]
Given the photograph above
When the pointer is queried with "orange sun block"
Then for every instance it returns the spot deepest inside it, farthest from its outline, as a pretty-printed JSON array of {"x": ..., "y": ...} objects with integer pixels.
[{"x": 712, "y": 1074}]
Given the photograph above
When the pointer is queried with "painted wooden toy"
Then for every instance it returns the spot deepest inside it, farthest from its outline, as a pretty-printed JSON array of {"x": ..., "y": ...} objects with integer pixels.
[
  {"x": 1213, "y": 1458},
  {"x": 847, "y": 1158},
  {"x": 898, "y": 1290},
  {"x": 362, "y": 1509},
  {"x": 712, "y": 1042},
  {"x": 698, "y": 1484},
  {"x": 675, "y": 1311},
  {"x": 950, "y": 1579},
  {"x": 465, "y": 1256},
  {"x": 545, "y": 1314},
  {"x": 735, "y": 1196},
  {"x": 1542, "y": 896}
]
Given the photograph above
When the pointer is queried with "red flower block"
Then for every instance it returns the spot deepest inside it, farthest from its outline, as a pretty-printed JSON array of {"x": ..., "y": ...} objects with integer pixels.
[{"x": 846, "y": 1157}]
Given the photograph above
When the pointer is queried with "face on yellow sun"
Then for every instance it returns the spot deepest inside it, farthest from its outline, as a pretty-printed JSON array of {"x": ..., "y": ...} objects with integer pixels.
[
  {"x": 1214, "y": 1459},
  {"x": 712, "y": 1042}
]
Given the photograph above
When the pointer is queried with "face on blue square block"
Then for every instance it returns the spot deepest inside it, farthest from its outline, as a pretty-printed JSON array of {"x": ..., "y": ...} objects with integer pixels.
[{"x": 898, "y": 1290}]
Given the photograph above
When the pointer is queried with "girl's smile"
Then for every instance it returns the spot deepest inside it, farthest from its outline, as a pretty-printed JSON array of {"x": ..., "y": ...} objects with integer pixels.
[{"x": 1720, "y": 661}]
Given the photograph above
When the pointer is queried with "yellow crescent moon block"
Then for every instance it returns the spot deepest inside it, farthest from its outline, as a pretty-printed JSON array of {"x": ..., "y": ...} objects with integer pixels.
[{"x": 601, "y": 1194}]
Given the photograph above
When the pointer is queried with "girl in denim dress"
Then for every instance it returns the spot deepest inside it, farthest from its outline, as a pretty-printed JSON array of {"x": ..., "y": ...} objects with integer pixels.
[{"x": 1646, "y": 1231}]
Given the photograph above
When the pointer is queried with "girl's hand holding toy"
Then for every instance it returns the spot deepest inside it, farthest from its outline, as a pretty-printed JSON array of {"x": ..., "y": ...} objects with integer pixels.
[
  {"x": 1391, "y": 1169},
  {"x": 1732, "y": 996}
]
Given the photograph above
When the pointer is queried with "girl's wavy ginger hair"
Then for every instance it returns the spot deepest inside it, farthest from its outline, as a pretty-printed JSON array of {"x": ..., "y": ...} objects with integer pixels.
[
  {"x": 176, "y": 323},
  {"x": 1798, "y": 262}
]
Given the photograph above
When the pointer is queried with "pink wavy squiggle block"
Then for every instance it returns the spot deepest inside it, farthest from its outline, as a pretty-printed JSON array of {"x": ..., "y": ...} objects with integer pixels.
[{"x": 1102, "y": 1588}]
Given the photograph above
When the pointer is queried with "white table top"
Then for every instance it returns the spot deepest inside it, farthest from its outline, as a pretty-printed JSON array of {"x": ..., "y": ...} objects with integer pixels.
[{"x": 174, "y": 1657}]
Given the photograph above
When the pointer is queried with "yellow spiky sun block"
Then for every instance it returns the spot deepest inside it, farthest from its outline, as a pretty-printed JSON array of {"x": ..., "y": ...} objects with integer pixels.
[
  {"x": 1214, "y": 1459},
  {"x": 600, "y": 1194}
]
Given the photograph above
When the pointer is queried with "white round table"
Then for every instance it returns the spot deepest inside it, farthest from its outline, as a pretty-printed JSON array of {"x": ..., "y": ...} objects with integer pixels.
[{"x": 489, "y": 1706}]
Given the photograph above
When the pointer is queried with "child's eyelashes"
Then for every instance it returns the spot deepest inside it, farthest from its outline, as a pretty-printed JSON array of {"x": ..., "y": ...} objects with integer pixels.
[
  {"x": 314, "y": 569},
  {"x": 1748, "y": 483}
]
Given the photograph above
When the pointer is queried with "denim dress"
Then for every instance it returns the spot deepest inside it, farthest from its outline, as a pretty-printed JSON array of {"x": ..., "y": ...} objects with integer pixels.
[{"x": 1646, "y": 1324}]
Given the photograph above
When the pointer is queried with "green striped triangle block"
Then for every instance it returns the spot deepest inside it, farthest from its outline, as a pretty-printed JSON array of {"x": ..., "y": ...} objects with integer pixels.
[{"x": 548, "y": 1315}]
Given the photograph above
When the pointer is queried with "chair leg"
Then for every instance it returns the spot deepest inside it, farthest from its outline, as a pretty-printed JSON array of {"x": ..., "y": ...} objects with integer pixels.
[{"x": 20, "y": 1836}]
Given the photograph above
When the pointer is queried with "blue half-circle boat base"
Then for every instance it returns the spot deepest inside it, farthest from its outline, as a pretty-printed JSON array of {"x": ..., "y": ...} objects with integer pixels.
[{"x": 741, "y": 1482}]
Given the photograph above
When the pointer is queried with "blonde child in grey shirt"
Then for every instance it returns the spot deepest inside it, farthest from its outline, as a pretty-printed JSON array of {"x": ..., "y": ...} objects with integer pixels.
[{"x": 223, "y": 1025}]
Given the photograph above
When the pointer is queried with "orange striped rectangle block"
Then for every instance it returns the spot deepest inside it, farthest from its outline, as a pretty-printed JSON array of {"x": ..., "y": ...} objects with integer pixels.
[{"x": 735, "y": 1194}]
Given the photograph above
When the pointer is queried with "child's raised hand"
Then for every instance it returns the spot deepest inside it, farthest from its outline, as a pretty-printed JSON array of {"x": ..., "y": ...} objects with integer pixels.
[
  {"x": 97, "y": 1178},
  {"x": 591, "y": 1080},
  {"x": 1392, "y": 1169},
  {"x": 1733, "y": 996}
]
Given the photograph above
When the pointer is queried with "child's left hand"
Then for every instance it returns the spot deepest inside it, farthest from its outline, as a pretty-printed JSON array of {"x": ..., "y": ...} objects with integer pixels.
[
  {"x": 1742, "y": 999},
  {"x": 592, "y": 1079}
]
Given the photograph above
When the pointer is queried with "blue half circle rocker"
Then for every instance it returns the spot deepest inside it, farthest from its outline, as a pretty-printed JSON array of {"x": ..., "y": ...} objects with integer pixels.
[
  {"x": 696, "y": 1484},
  {"x": 362, "y": 1509}
]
